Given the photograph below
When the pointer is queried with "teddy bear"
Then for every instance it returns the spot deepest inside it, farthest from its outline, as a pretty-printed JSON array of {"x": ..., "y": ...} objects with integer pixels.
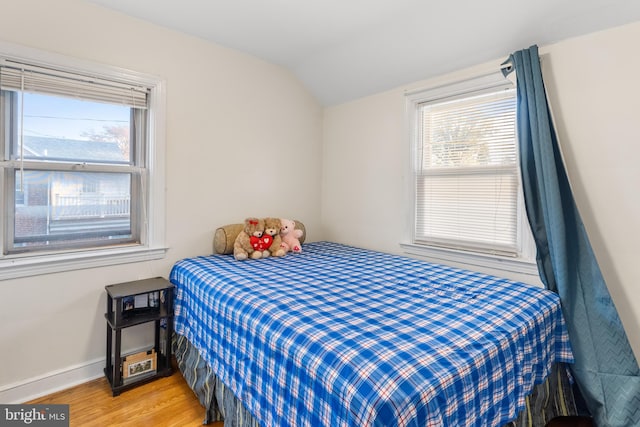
[
  {"x": 290, "y": 236},
  {"x": 272, "y": 228},
  {"x": 249, "y": 241}
]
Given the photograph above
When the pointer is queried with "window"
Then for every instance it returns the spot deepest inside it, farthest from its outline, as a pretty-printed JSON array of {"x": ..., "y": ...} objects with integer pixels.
[
  {"x": 79, "y": 168},
  {"x": 466, "y": 187}
]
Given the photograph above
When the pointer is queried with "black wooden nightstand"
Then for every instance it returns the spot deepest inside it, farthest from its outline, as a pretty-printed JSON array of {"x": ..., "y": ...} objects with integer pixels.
[{"x": 134, "y": 303}]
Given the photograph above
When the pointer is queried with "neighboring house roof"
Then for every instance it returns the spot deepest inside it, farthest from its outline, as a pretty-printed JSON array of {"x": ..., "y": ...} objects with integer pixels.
[{"x": 39, "y": 147}]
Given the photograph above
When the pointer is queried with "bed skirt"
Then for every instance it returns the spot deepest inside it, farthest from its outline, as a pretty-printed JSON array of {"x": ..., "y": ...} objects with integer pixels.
[{"x": 551, "y": 399}]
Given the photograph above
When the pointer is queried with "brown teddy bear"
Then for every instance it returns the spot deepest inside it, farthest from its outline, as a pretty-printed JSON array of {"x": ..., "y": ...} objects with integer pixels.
[
  {"x": 248, "y": 243},
  {"x": 272, "y": 228}
]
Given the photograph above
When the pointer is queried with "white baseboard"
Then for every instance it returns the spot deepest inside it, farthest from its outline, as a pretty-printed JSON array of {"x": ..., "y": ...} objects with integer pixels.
[{"x": 51, "y": 382}]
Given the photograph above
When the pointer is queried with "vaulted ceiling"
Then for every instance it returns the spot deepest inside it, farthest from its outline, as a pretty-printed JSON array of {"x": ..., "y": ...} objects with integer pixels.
[{"x": 346, "y": 49}]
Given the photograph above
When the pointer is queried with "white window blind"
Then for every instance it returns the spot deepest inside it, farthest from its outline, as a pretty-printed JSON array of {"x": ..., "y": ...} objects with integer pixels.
[
  {"x": 467, "y": 183},
  {"x": 18, "y": 76}
]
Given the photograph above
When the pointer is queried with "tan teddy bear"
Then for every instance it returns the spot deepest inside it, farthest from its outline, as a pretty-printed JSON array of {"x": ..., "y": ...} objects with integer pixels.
[
  {"x": 247, "y": 244},
  {"x": 272, "y": 228}
]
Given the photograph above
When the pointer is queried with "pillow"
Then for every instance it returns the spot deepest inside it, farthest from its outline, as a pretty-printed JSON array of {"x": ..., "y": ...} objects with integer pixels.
[{"x": 225, "y": 236}]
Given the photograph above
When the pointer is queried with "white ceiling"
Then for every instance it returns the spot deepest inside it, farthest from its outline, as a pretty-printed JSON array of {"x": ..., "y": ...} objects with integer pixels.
[{"x": 345, "y": 49}]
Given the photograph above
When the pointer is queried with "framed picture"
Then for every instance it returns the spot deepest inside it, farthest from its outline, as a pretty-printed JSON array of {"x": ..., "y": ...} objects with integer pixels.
[
  {"x": 154, "y": 300},
  {"x": 141, "y": 301},
  {"x": 139, "y": 364},
  {"x": 128, "y": 305}
]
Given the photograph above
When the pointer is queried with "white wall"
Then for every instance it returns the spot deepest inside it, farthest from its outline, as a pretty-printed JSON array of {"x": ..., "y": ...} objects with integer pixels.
[
  {"x": 595, "y": 93},
  {"x": 243, "y": 139}
]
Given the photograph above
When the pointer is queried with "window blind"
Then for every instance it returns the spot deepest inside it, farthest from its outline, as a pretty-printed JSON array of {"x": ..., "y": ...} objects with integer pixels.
[
  {"x": 467, "y": 173},
  {"x": 16, "y": 76}
]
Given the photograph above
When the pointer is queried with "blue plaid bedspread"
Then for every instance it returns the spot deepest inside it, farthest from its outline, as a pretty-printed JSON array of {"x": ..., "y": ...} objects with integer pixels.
[{"x": 343, "y": 336}]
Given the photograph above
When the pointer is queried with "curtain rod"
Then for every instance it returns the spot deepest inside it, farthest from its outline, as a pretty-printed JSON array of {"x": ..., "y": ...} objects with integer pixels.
[{"x": 506, "y": 65}]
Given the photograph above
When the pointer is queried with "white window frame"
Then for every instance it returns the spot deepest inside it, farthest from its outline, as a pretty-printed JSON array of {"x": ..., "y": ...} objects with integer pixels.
[
  {"x": 152, "y": 245},
  {"x": 522, "y": 264}
]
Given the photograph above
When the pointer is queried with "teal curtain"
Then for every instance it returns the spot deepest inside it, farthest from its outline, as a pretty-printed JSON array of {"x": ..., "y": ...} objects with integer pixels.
[{"x": 605, "y": 369}]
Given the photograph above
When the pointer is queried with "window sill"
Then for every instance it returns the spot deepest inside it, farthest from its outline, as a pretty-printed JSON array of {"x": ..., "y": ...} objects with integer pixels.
[
  {"x": 25, "y": 266},
  {"x": 512, "y": 268}
]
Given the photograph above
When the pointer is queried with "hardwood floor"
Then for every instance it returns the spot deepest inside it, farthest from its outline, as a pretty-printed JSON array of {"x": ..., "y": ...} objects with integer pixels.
[{"x": 164, "y": 402}]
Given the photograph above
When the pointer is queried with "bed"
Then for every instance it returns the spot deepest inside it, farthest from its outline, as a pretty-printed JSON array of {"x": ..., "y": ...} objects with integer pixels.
[{"x": 345, "y": 336}]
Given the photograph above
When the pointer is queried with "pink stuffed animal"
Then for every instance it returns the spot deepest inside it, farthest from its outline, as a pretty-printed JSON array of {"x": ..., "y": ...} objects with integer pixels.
[{"x": 290, "y": 236}]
